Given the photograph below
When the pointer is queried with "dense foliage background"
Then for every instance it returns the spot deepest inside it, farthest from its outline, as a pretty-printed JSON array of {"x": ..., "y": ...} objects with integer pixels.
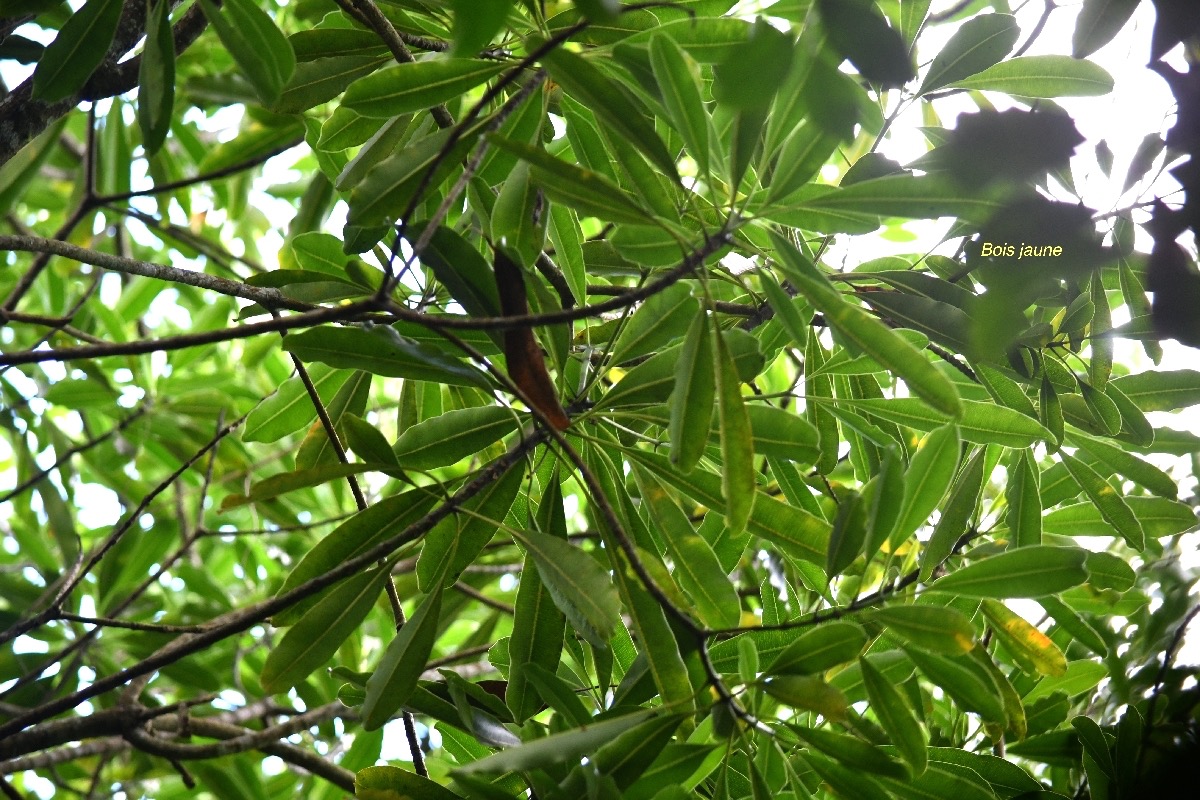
[{"x": 492, "y": 399}]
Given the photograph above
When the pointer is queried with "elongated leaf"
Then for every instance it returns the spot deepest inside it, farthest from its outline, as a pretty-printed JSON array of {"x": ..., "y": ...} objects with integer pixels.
[
  {"x": 76, "y": 51},
  {"x": 476, "y": 22},
  {"x": 1005, "y": 390},
  {"x": 580, "y": 588},
  {"x": 1128, "y": 465},
  {"x": 319, "y": 81},
  {"x": 910, "y": 196},
  {"x": 416, "y": 86},
  {"x": 382, "y": 351},
  {"x": 657, "y": 321},
  {"x": 1163, "y": 390},
  {"x": 290, "y": 408},
  {"x": 456, "y": 541},
  {"x": 1158, "y": 517},
  {"x": 1081, "y": 676},
  {"x": 896, "y": 717},
  {"x": 852, "y": 752},
  {"x": 929, "y": 476},
  {"x": 678, "y": 79},
  {"x": 956, "y": 515},
  {"x": 156, "y": 77},
  {"x": 1112, "y": 506},
  {"x": 316, "y": 636},
  {"x": 1098, "y": 22},
  {"x": 738, "y": 487},
  {"x": 395, "y": 678},
  {"x": 969, "y": 688},
  {"x": 820, "y": 649},
  {"x": 1025, "y": 572},
  {"x": 872, "y": 336},
  {"x": 797, "y": 532},
  {"x": 453, "y": 436},
  {"x": 848, "y": 535},
  {"x": 585, "y": 191},
  {"x": 388, "y": 189},
  {"x": 860, "y": 32},
  {"x": 1042, "y": 76},
  {"x": 808, "y": 693},
  {"x": 627, "y": 756},
  {"x": 1024, "y": 501},
  {"x": 557, "y": 748},
  {"x": 932, "y": 628},
  {"x": 358, "y": 534},
  {"x": 608, "y": 101},
  {"x": 696, "y": 566},
  {"x": 693, "y": 399},
  {"x": 1032, "y": 649},
  {"x": 983, "y": 423},
  {"x": 978, "y": 44},
  {"x": 260, "y": 49},
  {"x": 393, "y": 783}
]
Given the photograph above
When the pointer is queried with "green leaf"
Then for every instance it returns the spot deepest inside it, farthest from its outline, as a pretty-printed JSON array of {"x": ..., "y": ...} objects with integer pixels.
[
  {"x": 395, "y": 678},
  {"x": 416, "y": 86},
  {"x": 807, "y": 693},
  {"x": 581, "y": 589},
  {"x": 868, "y": 333},
  {"x": 1161, "y": 390},
  {"x": 313, "y": 641},
  {"x": 660, "y": 319},
  {"x": 585, "y": 191},
  {"x": 895, "y": 716},
  {"x": 1158, "y": 517},
  {"x": 1041, "y": 76},
  {"x": 824, "y": 647},
  {"x": 982, "y": 423},
  {"x": 956, "y": 515},
  {"x": 852, "y": 752},
  {"x": 932, "y": 628},
  {"x": 737, "y": 450},
  {"x": 844, "y": 781},
  {"x": 1108, "y": 571},
  {"x": 610, "y": 103},
  {"x": 929, "y": 476},
  {"x": 908, "y": 196},
  {"x": 1128, "y": 465},
  {"x": 1098, "y": 22},
  {"x": 678, "y": 79},
  {"x": 1024, "y": 515},
  {"x": 360, "y": 533},
  {"x": 393, "y": 783},
  {"x": 1031, "y": 571},
  {"x": 260, "y": 49},
  {"x": 457, "y": 541},
  {"x": 388, "y": 188},
  {"x": 290, "y": 408},
  {"x": 319, "y": 81},
  {"x": 519, "y": 218},
  {"x": 1081, "y": 676},
  {"x": 969, "y": 688},
  {"x": 80, "y": 46},
  {"x": 798, "y": 532},
  {"x": 476, "y": 23},
  {"x": 1005, "y": 390},
  {"x": 978, "y": 44},
  {"x": 694, "y": 395},
  {"x": 1112, "y": 506},
  {"x": 1032, "y": 650},
  {"x": 860, "y": 32},
  {"x": 848, "y": 535},
  {"x": 453, "y": 436},
  {"x": 627, "y": 756},
  {"x": 156, "y": 77},
  {"x": 381, "y": 351},
  {"x": 696, "y": 566},
  {"x": 558, "y": 748},
  {"x": 538, "y": 625}
]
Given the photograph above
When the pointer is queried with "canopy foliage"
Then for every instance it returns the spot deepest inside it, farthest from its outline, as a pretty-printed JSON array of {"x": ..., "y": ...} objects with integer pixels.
[{"x": 512, "y": 390}]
